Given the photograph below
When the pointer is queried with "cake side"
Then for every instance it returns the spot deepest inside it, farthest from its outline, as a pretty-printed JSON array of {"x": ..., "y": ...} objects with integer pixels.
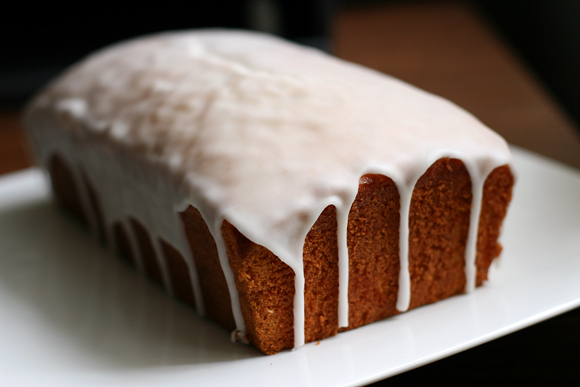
[
  {"x": 440, "y": 214},
  {"x": 266, "y": 285},
  {"x": 497, "y": 194}
]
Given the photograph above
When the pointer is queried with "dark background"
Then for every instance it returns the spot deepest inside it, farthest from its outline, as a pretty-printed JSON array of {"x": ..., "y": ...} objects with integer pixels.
[{"x": 39, "y": 41}]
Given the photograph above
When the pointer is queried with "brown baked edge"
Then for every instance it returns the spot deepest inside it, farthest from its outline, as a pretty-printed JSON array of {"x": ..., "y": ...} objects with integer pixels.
[{"x": 439, "y": 222}]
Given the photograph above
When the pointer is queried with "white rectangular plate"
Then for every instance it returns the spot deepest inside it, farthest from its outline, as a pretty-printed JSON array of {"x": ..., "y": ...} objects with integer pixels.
[{"x": 71, "y": 314}]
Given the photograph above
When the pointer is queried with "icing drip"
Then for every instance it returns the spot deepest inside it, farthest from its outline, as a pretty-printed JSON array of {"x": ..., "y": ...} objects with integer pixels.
[
  {"x": 223, "y": 256},
  {"x": 477, "y": 182},
  {"x": 342, "y": 220},
  {"x": 256, "y": 131},
  {"x": 404, "y": 295}
]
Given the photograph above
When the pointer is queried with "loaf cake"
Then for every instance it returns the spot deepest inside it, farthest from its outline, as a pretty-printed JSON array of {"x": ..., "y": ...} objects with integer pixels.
[{"x": 284, "y": 193}]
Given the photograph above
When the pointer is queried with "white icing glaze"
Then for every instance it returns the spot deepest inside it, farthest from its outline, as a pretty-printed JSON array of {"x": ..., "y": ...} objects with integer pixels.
[{"x": 255, "y": 130}]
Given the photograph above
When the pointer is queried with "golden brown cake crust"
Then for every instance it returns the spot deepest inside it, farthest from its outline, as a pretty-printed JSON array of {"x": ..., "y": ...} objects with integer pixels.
[
  {"x": 179, "y": 272},
  {"x": 373, "y": 246},
  {"x": 266, "y": 290},
  {"x": 438, "y": 228},
  {"x": 440, "y": 212},
  {"x": 439, "y": 222},
  {"x": 497, "y": 194},
  {"x": 213, "y": 284}
]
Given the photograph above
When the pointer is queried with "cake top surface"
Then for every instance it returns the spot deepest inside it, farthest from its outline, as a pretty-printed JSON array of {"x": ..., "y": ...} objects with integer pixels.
[{"x": 260, "y": 131}]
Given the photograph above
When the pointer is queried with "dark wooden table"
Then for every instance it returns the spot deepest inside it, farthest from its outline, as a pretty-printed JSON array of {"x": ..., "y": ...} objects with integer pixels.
[{"x": 450, "y": 50}]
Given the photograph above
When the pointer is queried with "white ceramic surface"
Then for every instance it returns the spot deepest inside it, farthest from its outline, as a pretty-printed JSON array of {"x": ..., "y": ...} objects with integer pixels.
[{"x": 71, "y": 314}]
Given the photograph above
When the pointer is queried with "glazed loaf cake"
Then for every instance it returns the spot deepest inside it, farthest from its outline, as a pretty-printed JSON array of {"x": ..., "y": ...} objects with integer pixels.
[{"x": 286, "y": 194}]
